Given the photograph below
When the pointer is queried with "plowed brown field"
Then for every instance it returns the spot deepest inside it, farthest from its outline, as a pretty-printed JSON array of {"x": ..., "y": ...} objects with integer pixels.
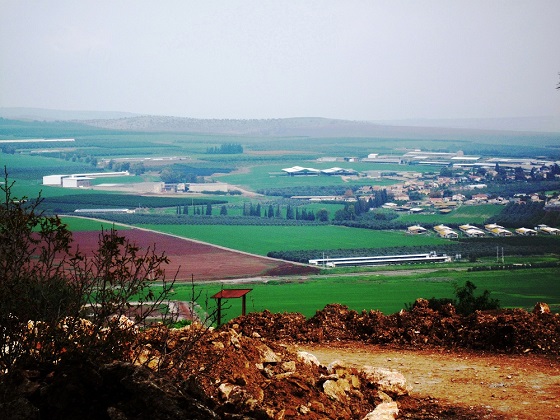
[{"x": 191, "y": 259}]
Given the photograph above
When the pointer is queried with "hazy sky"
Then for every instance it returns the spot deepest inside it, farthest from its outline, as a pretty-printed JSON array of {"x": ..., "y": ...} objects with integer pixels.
[{"x": 360, "y": 60}]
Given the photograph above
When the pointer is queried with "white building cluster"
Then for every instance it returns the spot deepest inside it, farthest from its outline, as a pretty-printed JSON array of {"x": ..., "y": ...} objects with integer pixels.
[
  {"x": 490, "y": 229},
  {"x": 78, "y": 180}
]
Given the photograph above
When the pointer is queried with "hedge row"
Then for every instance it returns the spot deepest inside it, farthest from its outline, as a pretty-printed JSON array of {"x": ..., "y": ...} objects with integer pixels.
[{"x": 467, "y": 248}]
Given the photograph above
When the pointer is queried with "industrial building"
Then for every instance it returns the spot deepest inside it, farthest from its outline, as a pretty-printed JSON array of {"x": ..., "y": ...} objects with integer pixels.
[
  {"x": 416, "y": 230},
  {"x": 472, "y": 231},
  {"x": 381, "y": 260},
  {"x": 446, "y": 232},
  {"x": 78, "y": 180},
  {"x": 301, "y": 171},
  {"x": 548, "y": 230},
  {"x": 525, "y": 231},
  {"x": 497, "y": 230},
  {"x": 102, "y": 211}
]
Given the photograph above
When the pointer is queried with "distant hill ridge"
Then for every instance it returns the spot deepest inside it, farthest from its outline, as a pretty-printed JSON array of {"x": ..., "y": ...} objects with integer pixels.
[
  {"x": 300, "y": 126},
  {"x": 292, "y": 127},
  {"x": 261, "y": 127}
]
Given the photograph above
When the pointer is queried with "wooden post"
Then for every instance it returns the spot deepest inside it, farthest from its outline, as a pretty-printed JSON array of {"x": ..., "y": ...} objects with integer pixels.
[
  {"x": 243, "y": 305},
  {"x": 219, "y": 321}
]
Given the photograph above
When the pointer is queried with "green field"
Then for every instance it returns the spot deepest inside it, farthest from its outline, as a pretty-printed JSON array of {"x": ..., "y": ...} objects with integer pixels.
[
  {"x": 389, "y": 294},
  {"x": 263, "y": 239},
  {"x": 260, "y": 168},
  {"x": 79, "y": 224},
  {"x": 268, "y": 175}
]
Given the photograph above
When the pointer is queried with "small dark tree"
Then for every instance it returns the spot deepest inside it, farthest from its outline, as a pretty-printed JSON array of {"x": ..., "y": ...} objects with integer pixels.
[
  {"x": 322, "y": 215},
  {"x": 467, "y": 302},
  {"x": 289, "y": 212}
]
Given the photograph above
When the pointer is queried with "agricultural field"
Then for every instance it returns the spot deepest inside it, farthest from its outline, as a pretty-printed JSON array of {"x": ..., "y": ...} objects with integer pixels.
[
  {"x": 82, "y": 224},
  {"x": 259, "y": 169},
  {"x": 388, "y": 292},
  {"x": 257, "y": 177},
  {"x": 190, "y": 259},
  {"x": 263, "y": 239}
]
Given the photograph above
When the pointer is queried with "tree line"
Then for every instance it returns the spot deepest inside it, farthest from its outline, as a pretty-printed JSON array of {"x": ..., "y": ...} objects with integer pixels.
[
  {"x": 201, "y": 219},
  {"x": 527, "y": 214},
  {"x": 468, "y": 248},
  {"x": 225, "y": 149}
]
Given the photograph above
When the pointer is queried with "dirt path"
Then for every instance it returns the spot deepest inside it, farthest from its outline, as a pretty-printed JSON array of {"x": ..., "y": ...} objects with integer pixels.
[{"x": 517, "y": 386}]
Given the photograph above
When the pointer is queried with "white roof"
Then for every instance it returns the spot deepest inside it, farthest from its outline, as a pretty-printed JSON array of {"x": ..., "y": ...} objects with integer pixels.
[{"x": 294, "y": 169}]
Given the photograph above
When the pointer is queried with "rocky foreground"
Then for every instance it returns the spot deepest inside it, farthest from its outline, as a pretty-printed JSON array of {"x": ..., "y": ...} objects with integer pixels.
[{"x": 248, "y": 370}]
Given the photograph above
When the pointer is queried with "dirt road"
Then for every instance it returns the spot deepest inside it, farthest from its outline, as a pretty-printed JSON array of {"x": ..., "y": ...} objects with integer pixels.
[{"x": 516, "y": 386}]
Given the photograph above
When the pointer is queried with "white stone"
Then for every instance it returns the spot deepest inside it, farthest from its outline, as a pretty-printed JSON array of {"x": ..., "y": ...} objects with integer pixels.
[
  {"x": 308, "y": 358},
  {"x": 389, "y": 381},
  {"x": 384, "y": 411}
]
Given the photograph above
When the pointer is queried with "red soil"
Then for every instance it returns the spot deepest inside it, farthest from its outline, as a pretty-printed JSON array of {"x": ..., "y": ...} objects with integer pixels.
[{"x": 198, "y": 260}]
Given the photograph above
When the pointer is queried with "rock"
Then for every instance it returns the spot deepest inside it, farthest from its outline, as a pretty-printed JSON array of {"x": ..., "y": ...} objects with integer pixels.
[
  {"x": 267, "y": 355},
  {"x": 303, "y": 409},
  {"x": 421, "y": 303},
  {"x": 355, "y": 382},
  {"x": 288, "y": 367},
  {"x": 337, "y": 367},
  {"x": 234, "y": 340},
  {"x": 384, "y": 397},
  {"x": 390, "y": 382},
  {"x": 384, "y": 411},
  {"x": 541, "y": 308},
  {"x": 218, "y": 344},
  {"x": 230, "y": 393},
  {"x": 336, "y": 389},
  {"x": 308, "y": 358}
]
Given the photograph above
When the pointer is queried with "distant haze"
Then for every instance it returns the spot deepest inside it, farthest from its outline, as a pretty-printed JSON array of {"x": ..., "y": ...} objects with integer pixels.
[{"x": 225, "y": 59}]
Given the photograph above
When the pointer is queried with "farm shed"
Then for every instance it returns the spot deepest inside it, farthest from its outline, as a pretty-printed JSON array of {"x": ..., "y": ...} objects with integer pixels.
[
  {"x": 76, "y": 181},
  {"x": 338, "y": 171},
  {"x": 471, "y": 231},
  {"x": 548, "y": 230},
  {"x": 474, "y": 233},
  {"x": 525, "y": 231},
  {"x": 101, "y": 211},
  {"x": 298, "y": 171},
  {"x": 53, "y": 179},
  {"x": 58, "y": 180},
  {"x": 210, "y": 186},
  {"x": 500, "y": 231},
  {"x": 490, "y": 227},
  {"x": 381, "y": 260},
  {"x": 416, "y": 230},
  {"x": 446, "y": 232}
]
